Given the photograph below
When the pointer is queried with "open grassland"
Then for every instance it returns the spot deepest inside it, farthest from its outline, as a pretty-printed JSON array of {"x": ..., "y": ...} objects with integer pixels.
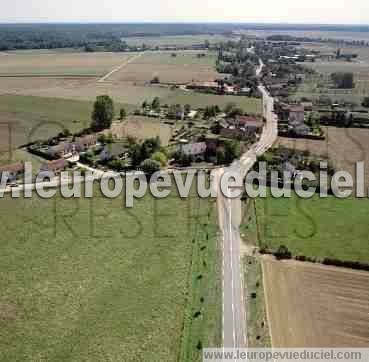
[
  {"x": 183, "y": 68},
  {"x": 142, "y": 128},
  {"x": 59, "y": 63},
  {"x": 315, "y": 86},
  {"x": 343, "y": 146},
  {"x": 311, "y": 305},
  {"x": 88, "y": 279},
  {"x": 175, "y": 40},
  {"x": 315, "y": 227}
]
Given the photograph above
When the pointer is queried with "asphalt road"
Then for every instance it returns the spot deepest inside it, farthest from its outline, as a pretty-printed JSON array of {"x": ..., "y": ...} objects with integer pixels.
[{"x": 229, "y": 211}]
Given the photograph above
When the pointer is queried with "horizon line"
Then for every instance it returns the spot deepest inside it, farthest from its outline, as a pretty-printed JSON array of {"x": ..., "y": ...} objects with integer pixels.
[{"x": 137, "y": 22}]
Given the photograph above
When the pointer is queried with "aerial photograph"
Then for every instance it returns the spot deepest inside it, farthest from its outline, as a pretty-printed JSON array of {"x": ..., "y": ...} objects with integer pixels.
[{"x": 184, "y": 181}]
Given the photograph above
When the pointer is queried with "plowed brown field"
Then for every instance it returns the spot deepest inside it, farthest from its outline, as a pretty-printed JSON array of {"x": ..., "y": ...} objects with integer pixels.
[{"x": 311, "y": 305}]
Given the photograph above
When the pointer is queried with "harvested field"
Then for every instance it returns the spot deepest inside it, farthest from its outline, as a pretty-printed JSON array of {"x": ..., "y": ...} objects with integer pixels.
[
  {"x": 175, "y": 40},
  {"x": 250, "y": 105},
  {"x": 184, "y": 67},
  {"x": 130, "y": 94},
  {"x": 128, "y": 86},
  {"x": 60, "y": 64},
  {"x": 311, "y": 305},
  {"x": 123, "y": 92},
  {"x": 142, "y": 128},
  {"x": 344, "y": 146}
]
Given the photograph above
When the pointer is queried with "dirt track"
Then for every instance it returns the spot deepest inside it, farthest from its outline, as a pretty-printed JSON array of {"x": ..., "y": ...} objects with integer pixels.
[{"x": 311, "y": 305}]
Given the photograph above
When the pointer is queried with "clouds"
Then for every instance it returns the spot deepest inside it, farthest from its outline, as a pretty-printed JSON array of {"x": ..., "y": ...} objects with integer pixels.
[{"x": 292, "y": 11}]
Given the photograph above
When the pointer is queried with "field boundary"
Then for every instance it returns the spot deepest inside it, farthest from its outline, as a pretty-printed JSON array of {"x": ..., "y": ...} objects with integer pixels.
[{"x": 266, "y": 301}]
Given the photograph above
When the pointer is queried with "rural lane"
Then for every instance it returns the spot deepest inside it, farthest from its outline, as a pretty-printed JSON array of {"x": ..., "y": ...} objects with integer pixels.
[{"x": 229, "y": 213}]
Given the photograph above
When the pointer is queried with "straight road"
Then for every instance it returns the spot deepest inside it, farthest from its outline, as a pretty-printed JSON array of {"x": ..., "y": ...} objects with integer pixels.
[
  {"x": 130, "y": 60},
  {"x": 229, "y": 212}
]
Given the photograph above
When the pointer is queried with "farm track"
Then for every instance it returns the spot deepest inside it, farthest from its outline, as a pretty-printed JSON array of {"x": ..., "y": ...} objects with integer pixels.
[{"x": 117, "y": 69}]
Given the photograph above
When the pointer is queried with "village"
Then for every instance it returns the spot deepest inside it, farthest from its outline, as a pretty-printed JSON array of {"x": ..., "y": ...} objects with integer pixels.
[{"x": 208, "y": 136}]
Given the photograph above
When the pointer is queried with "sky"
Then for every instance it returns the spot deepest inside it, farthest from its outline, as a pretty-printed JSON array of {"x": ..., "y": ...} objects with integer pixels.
[{"x": 245, "y": 11}]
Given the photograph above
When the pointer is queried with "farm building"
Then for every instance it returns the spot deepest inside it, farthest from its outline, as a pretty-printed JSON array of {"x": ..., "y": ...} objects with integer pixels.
[
  {"x": 114, "y": 150},
  {"x": 13, "y": 171},
  {"x": 55, "y": 166},
  {"x": 64, "y": 149},
  {"x": 192, "y": 149},
  {"x": 296, "y": 115},
  {"x": 85, "y": 142}
]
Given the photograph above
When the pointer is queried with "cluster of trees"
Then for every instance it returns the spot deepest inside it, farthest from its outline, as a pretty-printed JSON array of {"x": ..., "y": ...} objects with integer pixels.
[
  {"x": 51, "y": 36},
  {"x": 211, "y": 111},
  {"x": 232, "y": 110},
  {"x": 235, "y": 59},
  {"x": 230, "y": 151},
  {"x": 91, "y": 36},
  {"x": 154, "y": 105},
  {"x": 149, "y": 156},
  {"x": 224, "y": 154},
  {"x": 365, "y": 102},
  {"x": 173, "y": 111},
  {"x": 343, "y": 80}
]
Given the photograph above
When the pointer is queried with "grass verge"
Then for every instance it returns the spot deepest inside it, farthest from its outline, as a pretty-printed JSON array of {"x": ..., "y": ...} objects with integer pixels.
[{"x": 257, "y": 323}]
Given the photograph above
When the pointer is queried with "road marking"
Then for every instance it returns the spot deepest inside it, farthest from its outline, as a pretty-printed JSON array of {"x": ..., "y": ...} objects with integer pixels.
[
  {"x": 232, "y": 277},
  {"x": 244, "y": 164}
]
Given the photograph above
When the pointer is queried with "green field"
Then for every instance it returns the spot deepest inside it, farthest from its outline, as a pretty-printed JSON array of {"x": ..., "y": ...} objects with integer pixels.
[
  {"x": 31, "y": 118},
  {"x": 41, "y": 117},
  {"x": 91, "y": 280},
  {"x": 250, "y": 105},
  {"x": 331, "y": 227}
]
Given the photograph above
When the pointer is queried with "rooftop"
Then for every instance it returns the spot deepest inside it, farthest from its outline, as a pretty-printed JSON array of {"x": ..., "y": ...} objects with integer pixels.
[{"x": 15, "y": 167}]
